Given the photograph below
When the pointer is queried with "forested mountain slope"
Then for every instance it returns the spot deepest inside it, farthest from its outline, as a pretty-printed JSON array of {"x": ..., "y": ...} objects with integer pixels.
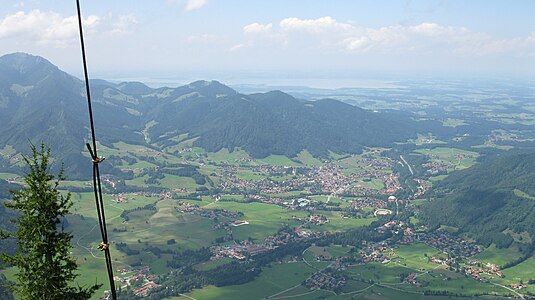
[{"x": 490, "y": 201}]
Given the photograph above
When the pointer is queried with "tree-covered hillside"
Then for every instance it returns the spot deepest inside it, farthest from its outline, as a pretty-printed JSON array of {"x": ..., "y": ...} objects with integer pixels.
[
  {"x": 274, "y": 123},
  {"x": 491, "y": 202},
  {"x": 40, "y": 103}
]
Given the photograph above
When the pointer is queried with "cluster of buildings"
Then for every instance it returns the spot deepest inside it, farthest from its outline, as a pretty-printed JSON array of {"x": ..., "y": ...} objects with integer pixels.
[
  {"x": 376, "y": 252},
  {"x": 318, "y": 220},
  {"x": 367, "y": 202},
  {"x": 411, "y": 278},
  {"x": 247, "y": 248},
  {"x": 517, "y": 286},
  {"x": 395, "y": 226},
  {"x": 326, "y": 281},
  {"x": 326, "y": 179},
  {"x": 455, "y": 247},
  {"x": 392, "y": 184},
  {"x": 120, "y": 199},
  {"x": 312, "y": 219},
  {"x": 301, "y": 203},
  {"x": 434, "y": 167},
  {"x": 423, "y": 187},
  {"x": 239, "y": 252},
  {"x": 188, "y": 207},
  {"x": 475, "y": 269},
  {"x": 140, "y": 281}
]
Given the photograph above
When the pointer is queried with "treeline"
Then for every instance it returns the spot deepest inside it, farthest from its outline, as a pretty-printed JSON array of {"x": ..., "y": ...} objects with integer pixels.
[
  {"x": 182, "y": 170},
  {"x": 189, "y": 258},
  {"x": 187, "y": 171},
  {"x": 123, "y": 247},
  {"x": 354, "y": 237},
  {"x": 150, "y": 207}
]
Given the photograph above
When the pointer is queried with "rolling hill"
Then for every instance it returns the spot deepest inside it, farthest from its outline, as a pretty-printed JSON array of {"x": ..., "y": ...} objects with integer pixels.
[{"x": 39, "y": 102}]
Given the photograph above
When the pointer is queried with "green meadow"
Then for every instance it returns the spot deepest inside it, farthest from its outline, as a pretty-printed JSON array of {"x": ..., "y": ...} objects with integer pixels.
[
  {"x": 272, "y": 280},
  {"x": 455, "y": 159}
]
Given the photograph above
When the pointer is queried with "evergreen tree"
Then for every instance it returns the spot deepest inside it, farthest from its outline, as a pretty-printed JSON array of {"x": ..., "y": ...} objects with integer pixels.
[{"x": 46, "y": 270}]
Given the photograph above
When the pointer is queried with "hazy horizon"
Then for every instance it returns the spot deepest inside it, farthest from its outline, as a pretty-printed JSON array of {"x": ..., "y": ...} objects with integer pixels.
[{"x": 223, "y": 40}]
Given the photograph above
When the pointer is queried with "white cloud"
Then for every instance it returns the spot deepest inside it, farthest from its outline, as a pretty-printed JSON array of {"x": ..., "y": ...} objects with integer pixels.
[
  {"x": 361, "y": 44},
  {"x": 124, "y": 24},
  {"x": 194, "y": 4},
  {"x": 328, "y": 34},
  {"x": 51, "y": 28},
  {"x": 21, "y": 22},
  {"x": 435, "y": 30},
  {"x": 314, "y": 25},
  {"x": 237, "y": 47},
  {"x": 255, "y": 28},
  {"x": 46, "y": 27}
]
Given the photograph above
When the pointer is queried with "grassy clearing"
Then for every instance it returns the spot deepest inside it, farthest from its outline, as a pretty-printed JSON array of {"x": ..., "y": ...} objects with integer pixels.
[
  {"x": 146, "y": 227},
  {"x": 456, "y": 159},
  {"x": 425, "y": 140},
  {"x": 524, "y": 195},
  {"x": 6, "y": 176},
  {"x": 337, "y": 250},
  {"x": 278, "y": 160},
  {"x": 375, "y": 184},
  {"x": 84, "y": 203},
  {"x": 250, "y": 175},
  {"x": 338, "y": 223},
  {"x": 438, "y": 281},
  {"x": 272, "y": 280},
  {"x": 415, "y": 256},
  {"x": 329, "y": 252},
  {"x": 388, "y": 273},
  {"x": 173, "y": 182},
  {"x": 449, "y": 122},
  {"x": 287, "y": 194},
  {"x": 498, "y": 256},
  {"x": 307, "y": 159},
  {"x": 8, "y": 151},
  {"x": 389, "y": 285},
  {"x": 437, "y": 178},
  {"x": 264, "y": 219},
  {"x": 231, "y": 158},
  {"x": 311, "y": 258},
  {"x": 522, "y": 272},
  {"x": 213, "y": 264}
]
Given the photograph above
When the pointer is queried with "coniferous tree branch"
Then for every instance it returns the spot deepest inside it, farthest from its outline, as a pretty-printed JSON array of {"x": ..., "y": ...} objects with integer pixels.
[{"x": 46, "y": 270}]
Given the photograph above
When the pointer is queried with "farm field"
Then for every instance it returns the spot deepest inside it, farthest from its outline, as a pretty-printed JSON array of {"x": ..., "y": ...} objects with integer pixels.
[
  {"x": 272, "y": 280},
  {"x": 455, "y": 159}
]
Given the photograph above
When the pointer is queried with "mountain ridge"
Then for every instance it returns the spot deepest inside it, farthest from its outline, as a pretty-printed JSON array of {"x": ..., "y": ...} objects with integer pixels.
[{"x": 54, "y": 110}]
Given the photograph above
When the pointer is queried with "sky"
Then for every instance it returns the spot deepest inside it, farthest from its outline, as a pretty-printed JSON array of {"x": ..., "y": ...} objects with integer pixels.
[{"x": 241, "y": 40}]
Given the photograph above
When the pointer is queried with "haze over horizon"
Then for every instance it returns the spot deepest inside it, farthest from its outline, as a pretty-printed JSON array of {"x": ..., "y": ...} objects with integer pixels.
[{"x": 314, "y": 43}]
